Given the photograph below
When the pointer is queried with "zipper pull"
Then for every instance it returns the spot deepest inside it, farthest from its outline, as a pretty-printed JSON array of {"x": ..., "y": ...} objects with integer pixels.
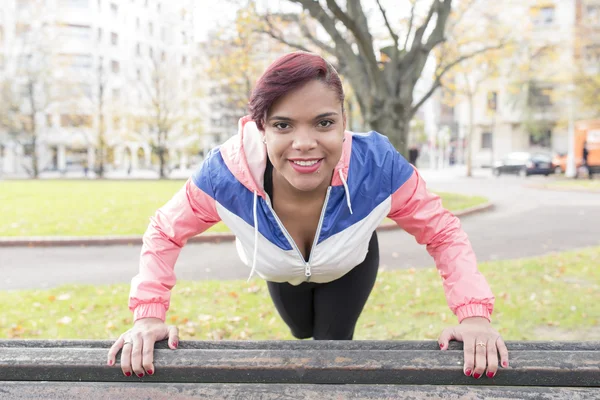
[{"x": 307, "y": 272}]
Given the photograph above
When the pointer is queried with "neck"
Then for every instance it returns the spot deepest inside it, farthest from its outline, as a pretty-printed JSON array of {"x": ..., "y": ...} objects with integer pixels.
[{"x": 285, "y": 190}]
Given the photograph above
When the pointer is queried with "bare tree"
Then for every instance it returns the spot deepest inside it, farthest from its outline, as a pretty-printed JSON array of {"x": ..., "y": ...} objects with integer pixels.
[
  {"x": 384, "y": 83},
  {"x": 27, "y": 94},
  {"x": 162, "y": 103}
]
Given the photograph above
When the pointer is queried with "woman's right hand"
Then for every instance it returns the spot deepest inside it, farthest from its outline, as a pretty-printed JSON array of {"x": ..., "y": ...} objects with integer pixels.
[{"x": 137, "y": 345}]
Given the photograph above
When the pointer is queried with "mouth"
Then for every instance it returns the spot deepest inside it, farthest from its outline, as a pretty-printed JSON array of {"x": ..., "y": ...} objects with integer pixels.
[{"x": 306, "y": 166}]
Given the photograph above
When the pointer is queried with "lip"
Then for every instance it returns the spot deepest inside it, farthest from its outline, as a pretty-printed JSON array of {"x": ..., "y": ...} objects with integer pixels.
[{"x": 306, "y": 169}]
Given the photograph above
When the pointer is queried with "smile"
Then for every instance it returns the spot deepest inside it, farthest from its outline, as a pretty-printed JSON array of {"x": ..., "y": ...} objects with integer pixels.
[{"x": 306, "y": 163}]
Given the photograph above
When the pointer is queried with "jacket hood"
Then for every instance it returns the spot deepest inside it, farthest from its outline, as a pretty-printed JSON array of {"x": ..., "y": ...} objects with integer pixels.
[{"x": 245, "y": 155}]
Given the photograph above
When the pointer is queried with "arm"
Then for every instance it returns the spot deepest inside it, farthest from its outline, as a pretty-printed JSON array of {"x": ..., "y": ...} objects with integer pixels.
[
  {"x": 421, "y": 214},
  {"x": 190, "y": 212}
]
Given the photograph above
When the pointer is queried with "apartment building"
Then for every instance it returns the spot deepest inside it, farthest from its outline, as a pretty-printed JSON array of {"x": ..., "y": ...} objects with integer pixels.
[
  {"x": 108, "y": 61},
  {"x": 527, "y": 107}
]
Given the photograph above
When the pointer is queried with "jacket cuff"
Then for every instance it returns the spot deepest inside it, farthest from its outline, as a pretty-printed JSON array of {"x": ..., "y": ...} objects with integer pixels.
[
  {"x": 150, "y": 310},
  {"x": 473, "y": 310}
]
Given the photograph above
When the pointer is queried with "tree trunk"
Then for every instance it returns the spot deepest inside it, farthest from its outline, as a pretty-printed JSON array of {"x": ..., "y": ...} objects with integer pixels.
[
  {"x": 393, "y": 124},
  {"x": 470, "y": 137},
  {"x": 34, "y": 155}
]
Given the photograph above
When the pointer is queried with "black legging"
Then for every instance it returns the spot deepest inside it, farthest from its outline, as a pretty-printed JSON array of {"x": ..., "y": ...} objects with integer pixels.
[{"x": 327, "y": 311}]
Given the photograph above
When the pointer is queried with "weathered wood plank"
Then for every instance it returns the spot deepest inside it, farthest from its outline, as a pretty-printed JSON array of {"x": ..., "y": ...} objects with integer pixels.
[
  {"x": 334, "y": 366},
  {"x": 183, "y": 391},
  {"x": 310, "y": 345}
]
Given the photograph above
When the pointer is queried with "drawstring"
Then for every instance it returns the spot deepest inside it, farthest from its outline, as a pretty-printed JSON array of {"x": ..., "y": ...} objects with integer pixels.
[
  {"x": 255, "y": 236},
  {"x": 346, "y": 189}
]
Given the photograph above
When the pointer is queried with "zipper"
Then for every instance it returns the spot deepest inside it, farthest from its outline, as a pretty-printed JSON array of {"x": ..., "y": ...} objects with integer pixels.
[{"x": 307, "y": 271}]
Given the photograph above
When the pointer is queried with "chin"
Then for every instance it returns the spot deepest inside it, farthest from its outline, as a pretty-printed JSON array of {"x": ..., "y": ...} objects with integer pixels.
[{"x": 306, "y": 184}]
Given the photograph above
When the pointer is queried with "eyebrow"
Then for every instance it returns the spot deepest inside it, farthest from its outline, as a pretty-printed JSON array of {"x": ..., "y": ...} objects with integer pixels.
[{"x": 280, "y": 118}]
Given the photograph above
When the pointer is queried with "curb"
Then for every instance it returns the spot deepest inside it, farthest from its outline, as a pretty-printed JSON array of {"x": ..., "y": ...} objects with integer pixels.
[
  {"x": 134, "y": 240},
  {"x": 565, "y": 189}
]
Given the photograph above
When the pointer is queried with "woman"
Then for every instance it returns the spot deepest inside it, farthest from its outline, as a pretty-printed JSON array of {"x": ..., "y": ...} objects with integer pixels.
[{"x": 304, "y": 197}]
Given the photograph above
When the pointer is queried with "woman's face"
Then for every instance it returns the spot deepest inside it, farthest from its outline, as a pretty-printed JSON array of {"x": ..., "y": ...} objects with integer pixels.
[{"x": 304, "y": 132}]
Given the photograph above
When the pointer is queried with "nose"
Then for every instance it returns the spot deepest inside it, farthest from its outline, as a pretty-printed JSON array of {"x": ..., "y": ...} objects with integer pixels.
[{"x": 304, "y": 140}]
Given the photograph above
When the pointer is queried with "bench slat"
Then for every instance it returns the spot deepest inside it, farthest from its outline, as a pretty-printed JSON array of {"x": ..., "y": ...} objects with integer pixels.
[
  {"x": 181, "y": 391},
  {"x": 333, "y": 366},
  {"x": 310, "y": 345}
]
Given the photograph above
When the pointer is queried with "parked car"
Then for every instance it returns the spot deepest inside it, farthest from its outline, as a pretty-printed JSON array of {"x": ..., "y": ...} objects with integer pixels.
[{"x": 523, "y": 163}]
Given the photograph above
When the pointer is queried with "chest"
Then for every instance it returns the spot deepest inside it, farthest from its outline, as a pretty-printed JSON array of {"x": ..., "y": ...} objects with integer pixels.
[{"x": 301, "y": 221}]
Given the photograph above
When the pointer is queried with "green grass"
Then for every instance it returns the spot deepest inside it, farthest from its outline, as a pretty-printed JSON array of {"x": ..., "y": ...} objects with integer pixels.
[
  {"x": 575, "y": 184},
  {"x": 543, "y": 298},
  {"x": 97, "y": 208}
]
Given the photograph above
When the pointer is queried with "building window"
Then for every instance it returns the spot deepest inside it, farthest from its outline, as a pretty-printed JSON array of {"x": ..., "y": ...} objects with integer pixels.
[
  {"x": 76, "y": 32},
  {"x": 593, "y": 14},
  {"x": 540, "y": 96},
  {"x": 75, "y": 121},
  {"x": 138, "y": 49},
  {"x": 116, "y": 94},
  {"x": 492, "y": 101},
  {"x": 163, "y": 56},
  {"x": 115, "y": 67},
  {"x": 137, "y": 24},
  {"x": 486, "y": 140},
  {"x": 99, "y": 34},
  {"x": 114, "y": 39},
  {"x": 151, "y": 52},
  {"x": 150, "y": 28},
  {"x": 114, "y": 9},
  {"x": 541, "y": 139},
  {"x": 183, "y": 60},
  {"x": 74, "y": 3},
  {"x": 163, "y": 34},
  {"x": 139, "y": 74},
  {"x": 543, "y": 16}
]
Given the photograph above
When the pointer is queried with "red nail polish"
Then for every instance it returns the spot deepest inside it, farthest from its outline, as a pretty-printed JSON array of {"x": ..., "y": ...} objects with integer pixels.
[
  {"x": 127, "y": 373},
  {"x": 150, "y": 372},
  {"x": 110, "y": 362},
  {"x": 175, "y": 344},
  {"x": 441, "y": 345},
  {"x": 504, "y": 364},
  {"x": 476, "y": 375},
  {"x": 140, "y": 375},
  {"x": 491, "y": 374},
  {"x": 468, "y": 372}
]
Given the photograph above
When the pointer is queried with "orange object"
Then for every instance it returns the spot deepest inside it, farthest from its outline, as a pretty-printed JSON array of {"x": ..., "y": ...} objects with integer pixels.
[{"x": 584, "y": 131}]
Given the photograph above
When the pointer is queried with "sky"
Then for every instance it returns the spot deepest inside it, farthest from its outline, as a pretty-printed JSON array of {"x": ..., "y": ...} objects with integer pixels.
[{"x": 210, "y": 13}]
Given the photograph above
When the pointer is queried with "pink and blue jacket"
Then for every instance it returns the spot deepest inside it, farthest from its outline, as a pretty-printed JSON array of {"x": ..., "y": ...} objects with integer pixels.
[{"x": 371, "y": 181}]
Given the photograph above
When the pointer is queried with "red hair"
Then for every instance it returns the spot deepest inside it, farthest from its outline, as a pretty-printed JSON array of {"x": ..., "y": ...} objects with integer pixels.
[{"x": 286, "y": 74}]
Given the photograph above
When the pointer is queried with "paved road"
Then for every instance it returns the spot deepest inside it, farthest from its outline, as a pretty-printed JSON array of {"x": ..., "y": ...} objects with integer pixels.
[{"x": 526, "y": 222}]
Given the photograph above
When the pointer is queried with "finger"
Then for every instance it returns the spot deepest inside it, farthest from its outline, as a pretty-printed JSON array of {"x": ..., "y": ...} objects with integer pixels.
[
  {"x": 480, "y": 358},
  {"x": 148, "y": 354},
  {"x": 469, "y": 350},
  {"x": 503, "y": 351},
  {"x": 173, "y": 337},
  {"x": 492, "y": 358},
  {"x": 114, "y": 349},
  {"x": 447, "y": 335},
  {"x": 126, "y": 358},
  {"x": 136, "y": 355}
]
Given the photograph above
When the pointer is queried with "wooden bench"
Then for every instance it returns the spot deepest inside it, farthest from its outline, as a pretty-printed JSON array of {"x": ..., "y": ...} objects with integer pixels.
[{"x": 44, "y": 369}]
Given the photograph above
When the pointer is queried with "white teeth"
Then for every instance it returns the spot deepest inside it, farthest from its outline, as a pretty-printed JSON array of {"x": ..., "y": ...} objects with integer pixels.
[{"x": 306, "y": 163}]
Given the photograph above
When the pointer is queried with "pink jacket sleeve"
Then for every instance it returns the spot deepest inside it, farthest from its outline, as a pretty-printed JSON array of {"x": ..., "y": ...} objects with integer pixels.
[
  {"x": 188, "y": 213},
  {"x": 421, "y": 214}
]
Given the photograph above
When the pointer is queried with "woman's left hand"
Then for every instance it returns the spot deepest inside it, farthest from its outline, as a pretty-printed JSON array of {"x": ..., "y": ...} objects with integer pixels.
[{"x": 481, "y": 344}]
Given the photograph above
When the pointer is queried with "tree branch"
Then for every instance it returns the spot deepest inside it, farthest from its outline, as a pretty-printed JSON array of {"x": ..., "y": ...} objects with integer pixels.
[
  {"x": 438, "y": 79},
  {"x": 387, "y": 23},
  {"x": 343, "y": 48},
  {"x": 410, "y": 23},
  {"x": 362, "y": 36}
]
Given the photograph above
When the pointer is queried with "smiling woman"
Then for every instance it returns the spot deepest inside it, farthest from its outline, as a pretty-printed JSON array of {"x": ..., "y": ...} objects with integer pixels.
[{"x": 304, "y": 197}]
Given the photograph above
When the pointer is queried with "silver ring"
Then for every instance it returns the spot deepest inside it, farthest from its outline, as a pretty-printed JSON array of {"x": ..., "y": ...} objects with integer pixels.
[
  {"x": 124, "y": 343},
  {"x": 481, "y": 344}
]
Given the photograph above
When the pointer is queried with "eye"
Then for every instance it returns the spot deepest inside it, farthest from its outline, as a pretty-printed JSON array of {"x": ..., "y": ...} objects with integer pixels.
[
  {"x": 281, "y": 125},
  {"x": 325, "y": 123}
]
